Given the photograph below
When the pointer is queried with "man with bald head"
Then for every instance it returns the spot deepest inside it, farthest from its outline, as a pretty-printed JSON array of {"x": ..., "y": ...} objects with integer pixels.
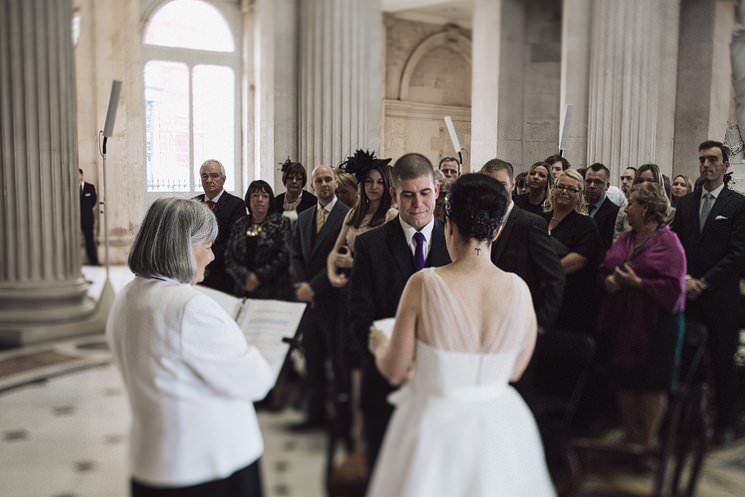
[
  {"x": 227, "y": 209},
  {"x": 384, "y": 259},
  {"x": 313, "y": 239}
]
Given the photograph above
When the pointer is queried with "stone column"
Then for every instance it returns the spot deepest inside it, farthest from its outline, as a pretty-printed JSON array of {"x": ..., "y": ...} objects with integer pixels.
[
  {"x": 576, "y": 19},
  {"x": 487, "y": 14},
  {"x": 42, "y": 292},
  {"x": 272, "y": 68},
  {"x": 629, "y": 92},
  {"x": 341, "y": 79}
]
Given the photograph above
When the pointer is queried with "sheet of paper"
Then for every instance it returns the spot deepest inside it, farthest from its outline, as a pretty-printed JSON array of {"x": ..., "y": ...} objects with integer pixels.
[
  {"x": 386, "y": 326},
  {"x": 230, "y": 304},
  {"x": 266, "y": 322}
]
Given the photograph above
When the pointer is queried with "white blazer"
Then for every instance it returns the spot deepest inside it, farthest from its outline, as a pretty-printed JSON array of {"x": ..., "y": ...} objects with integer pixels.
[{"x": 191, "y": 379}]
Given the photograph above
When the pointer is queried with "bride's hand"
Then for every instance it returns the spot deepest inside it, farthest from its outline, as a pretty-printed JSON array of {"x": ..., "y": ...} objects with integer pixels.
[{"x": 377, "y": 341}]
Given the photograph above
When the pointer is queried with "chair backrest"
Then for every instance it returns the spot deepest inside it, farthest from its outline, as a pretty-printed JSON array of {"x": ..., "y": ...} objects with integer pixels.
[{"x": 693, "y": 353}]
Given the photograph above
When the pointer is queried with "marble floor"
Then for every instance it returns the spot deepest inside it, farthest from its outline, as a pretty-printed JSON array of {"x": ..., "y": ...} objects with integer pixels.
[{"x": 63, "y": 433}]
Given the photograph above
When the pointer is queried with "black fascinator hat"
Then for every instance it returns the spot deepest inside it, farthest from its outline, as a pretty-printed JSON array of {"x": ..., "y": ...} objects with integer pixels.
[
  {"x": 289, "y": 167},
  {"x": 361, "y": 163},
  {"x": 286, "y": 165}
]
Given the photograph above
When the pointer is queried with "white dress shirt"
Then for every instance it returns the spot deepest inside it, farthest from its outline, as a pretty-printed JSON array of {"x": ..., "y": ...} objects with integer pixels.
[
  {"x": 409, "y": 231},
  {"x": 191, "y": 379}
]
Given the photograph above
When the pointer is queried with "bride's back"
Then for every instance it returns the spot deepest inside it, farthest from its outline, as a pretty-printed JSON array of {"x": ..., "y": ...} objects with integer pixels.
[{"x": 482, "y": 310}]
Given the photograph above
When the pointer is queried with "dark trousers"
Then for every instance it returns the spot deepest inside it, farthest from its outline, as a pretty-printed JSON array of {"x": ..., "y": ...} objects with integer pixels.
[
  {"x": 376, "y": 410},
  {"x": 316, "y": 349},
  {"x": 245, "y": 482},
  {"x": 90, "y": 242},
  {"x": 721, "y": 324}
]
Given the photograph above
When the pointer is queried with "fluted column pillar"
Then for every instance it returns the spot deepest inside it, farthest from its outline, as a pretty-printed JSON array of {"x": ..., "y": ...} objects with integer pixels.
[
  {"x": 631, "y": 90},
  {"x": 341, "y": 78},
  {"x": 41, "y": 287},
  {"x": 487, "y": 34}
]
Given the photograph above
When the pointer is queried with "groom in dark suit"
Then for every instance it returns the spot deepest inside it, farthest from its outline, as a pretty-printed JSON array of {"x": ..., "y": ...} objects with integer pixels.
[
  {"x": 227, "y": 209},
  {"x": 313, "y": 239},
  {"x": 384, "y": 259},
  {"x": 523, "y": 247},
  {"x": 711, "y": 226}
]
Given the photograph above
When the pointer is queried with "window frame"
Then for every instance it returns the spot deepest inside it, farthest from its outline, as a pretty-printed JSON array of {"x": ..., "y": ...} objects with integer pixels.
[{"x": 193, "y": 57}]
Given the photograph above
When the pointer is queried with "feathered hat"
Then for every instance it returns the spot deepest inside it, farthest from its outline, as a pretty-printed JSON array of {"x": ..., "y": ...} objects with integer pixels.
[
  {"x": 287, "y": 163},
  {"x": 361, "y": 163}
]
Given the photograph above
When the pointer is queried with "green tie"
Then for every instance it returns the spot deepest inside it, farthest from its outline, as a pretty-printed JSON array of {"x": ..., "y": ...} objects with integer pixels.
[{"x": 705, "y": 209}]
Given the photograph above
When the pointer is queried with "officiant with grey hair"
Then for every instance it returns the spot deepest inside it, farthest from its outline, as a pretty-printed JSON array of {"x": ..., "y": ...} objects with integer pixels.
[{"x": 190, "y": 375}]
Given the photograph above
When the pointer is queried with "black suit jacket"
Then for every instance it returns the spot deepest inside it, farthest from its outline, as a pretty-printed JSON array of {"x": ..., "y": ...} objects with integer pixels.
[
  {"x": 383, "y": 263},
  {"x": 605, "y": 220},
  {"x": 524, "y": 248},
  {"x": 716, "y": 253},
  {"x": 309, "y": 250},
  {"x": 87, "y": 204},
  {"x": 307, "y": 201},
  {"x": 228, "y": 210}
]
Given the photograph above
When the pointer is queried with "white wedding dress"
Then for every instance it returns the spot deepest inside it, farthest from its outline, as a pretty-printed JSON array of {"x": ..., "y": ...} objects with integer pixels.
[{"x": 459, "y": 429}]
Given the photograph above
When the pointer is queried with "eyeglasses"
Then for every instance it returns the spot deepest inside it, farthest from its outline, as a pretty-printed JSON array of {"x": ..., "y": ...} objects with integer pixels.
[{"x": 566, "y": 188}]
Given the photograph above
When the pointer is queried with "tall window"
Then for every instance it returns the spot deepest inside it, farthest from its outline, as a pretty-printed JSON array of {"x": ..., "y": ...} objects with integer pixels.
[{"x": 192, "y": 94}]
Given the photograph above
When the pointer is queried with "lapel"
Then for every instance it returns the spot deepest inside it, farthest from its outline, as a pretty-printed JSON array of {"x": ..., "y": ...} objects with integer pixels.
[
  {"x": 220, "y": 205},
  {"x": 719, "y": 204},
  {"x": 438, "y": 251},
  {"x": 306, "y": 232},
  {"x": 688, "y": 206},
  {"x": 329, "y": 228},
  {"x": 501, "y": 241},
  {"x": 399, "y": 249}
]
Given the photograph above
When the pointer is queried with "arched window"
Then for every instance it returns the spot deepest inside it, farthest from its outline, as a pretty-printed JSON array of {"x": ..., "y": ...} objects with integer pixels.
[{"x": 192, "y": 94}]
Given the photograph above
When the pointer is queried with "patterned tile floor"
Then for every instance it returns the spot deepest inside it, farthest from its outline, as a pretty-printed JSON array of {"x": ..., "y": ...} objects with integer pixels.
[{"x": 65, "y": 435}]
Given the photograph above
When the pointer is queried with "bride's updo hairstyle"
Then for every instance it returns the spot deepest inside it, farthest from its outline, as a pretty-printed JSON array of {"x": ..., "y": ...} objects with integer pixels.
[{"x": 476, "y": 204}]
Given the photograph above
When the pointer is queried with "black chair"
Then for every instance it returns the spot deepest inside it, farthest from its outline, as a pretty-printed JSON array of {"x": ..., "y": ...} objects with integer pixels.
[
  {"x": 552, "y": 386},
  {"x": 684, "y": 431}
]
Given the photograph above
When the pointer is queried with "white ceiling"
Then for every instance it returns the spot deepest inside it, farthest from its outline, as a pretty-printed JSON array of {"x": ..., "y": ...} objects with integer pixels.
[{"x": 458, "y": 12}]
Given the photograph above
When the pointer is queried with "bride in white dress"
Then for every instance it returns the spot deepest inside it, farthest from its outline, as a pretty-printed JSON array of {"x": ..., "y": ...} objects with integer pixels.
[{"x": 459, "y": 428}]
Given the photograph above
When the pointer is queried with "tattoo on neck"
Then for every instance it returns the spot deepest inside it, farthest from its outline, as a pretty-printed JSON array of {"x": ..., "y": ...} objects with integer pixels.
[{"x": 478, "y": 250}]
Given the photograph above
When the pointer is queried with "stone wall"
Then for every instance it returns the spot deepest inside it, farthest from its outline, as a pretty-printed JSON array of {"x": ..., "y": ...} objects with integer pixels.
[
  {"x": 108, "y": 49},
  {"x": 530, "y": 79},
  {"x": 428, "y": 76}
]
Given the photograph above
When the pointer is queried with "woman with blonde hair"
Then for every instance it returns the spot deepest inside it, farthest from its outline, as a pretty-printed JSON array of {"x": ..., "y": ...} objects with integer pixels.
[
  {"x": 578, "y": 245},
  {"x": 537, "y": 183},
  {"x": 647, "y": 173},
  {"x": 681, "y": 186}
]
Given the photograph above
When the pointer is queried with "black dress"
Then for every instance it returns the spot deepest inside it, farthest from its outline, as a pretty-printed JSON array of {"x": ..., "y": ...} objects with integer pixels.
[
  {"x": 265, "y": 253},
  {"x": 307, "y": 200},
  {"x": 578, "y": 233},
  {"x": 523, "y": 202}
]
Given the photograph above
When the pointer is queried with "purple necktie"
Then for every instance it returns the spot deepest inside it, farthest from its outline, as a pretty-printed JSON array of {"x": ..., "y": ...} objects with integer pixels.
[{"x": 419, "y": 251}]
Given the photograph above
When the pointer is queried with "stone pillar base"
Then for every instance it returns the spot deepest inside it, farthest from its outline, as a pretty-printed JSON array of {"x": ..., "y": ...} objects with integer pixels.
[{"x": 52, "y": 319}]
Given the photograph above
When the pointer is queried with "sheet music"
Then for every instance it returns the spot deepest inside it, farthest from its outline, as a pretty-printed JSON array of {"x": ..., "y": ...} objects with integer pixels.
[
  {"x": 266, "y": 322},
  {"x": 385, "y": 326}
]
